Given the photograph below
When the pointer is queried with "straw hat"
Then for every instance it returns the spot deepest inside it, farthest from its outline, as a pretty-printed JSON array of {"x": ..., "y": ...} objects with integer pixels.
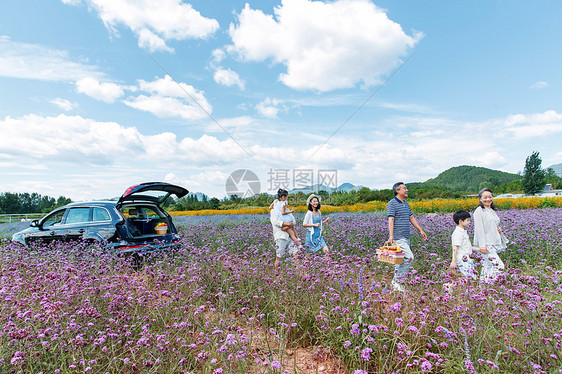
[{"x": 311, "y": 197}]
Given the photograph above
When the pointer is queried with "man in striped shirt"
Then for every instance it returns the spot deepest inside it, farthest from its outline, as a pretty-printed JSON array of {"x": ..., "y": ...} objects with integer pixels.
[{"x": 400, "y": 217}]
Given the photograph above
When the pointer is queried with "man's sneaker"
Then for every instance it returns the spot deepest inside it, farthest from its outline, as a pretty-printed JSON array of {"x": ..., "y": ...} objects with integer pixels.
[{"x": 397, "y": 286}]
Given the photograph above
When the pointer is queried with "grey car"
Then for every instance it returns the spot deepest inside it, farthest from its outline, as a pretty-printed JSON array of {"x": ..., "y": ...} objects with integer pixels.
[{"x": 134, "y": 224}]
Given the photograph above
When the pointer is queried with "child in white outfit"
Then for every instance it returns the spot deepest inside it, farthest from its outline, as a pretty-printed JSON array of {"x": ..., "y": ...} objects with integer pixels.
[
  {"x": 284, "y": 214},
  {"x": 462, "y": 249}
]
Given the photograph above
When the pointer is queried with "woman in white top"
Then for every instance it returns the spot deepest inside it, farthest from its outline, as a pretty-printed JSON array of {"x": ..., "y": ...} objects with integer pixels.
[
  {"x": 488, "y": 233},
  {"x": 313, "y": 222}
]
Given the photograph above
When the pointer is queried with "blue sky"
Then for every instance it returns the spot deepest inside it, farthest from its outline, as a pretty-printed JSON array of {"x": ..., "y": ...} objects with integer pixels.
[{"x": 98, "y": 95}]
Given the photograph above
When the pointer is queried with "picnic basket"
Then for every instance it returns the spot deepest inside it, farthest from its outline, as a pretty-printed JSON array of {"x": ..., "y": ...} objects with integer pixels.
[
  {"x": 391, "y": 253},
  {"x": 161, "y": 229}
]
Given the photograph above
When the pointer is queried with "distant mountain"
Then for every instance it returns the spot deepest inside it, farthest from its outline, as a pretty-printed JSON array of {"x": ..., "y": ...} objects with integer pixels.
[
  {"x": 345, "y": 187},
  {"x": 467, "y": 178},
  {"x": 557, "y": 169}
]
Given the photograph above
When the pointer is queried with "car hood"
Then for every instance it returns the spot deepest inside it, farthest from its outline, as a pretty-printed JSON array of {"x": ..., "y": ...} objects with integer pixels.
[
  {"x": 25, "y": 231},
  {"x": 156, "y": 192},
  {"x": 18, "y": 237}
]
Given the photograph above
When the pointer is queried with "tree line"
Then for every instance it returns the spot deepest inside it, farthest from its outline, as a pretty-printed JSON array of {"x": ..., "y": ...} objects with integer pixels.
[
  {"x": 192, "y": 202},
  {"x": 22, "y": 203}
]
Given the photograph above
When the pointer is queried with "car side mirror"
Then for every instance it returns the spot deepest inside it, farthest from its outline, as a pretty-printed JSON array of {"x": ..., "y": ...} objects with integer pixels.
[{"x": 34, "y": 223}]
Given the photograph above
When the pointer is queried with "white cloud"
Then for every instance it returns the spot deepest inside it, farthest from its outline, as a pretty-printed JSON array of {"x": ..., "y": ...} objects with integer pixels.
[
  {"x": 154, "y": 22},
  {"x": 243, "y": 122},
  {"x": 222, "y": 76},
  {"x": 208, "y": 150},
  {"x": 324, "y": 46},
  {"x": 269, "y": 107},
  {"x": 228, "y": 78},
  {"x": 82, "y": 141},
  {"x": 171, "y": 99},
  {"x": 70, "y": 139},
  {"x": 200, "y": 180},
  {"x": 106, "y": 92},
  {"x": 488, "y": 159},
  {"x": 332, "y": 156},
  {"x": 152, "y": 42},
  {"x": 165, "y": 107},
  {"x": 217, "y": 56},
  {"x": 538, "y": 85},
  {"x": 33, "y": 61},
  {"x": 381, "y": 161},
  {"x": 267, "y": 111},
  {"x": 534, "y": 125},
  {"x": 64, "y": 104},
  {"x": 408, "y": 107},
  {"x": 416, "y": 149},
  {"x": 168, "y": 87}
]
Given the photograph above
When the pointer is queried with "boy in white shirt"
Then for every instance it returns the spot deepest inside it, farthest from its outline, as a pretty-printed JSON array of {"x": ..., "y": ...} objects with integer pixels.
[{"x": 462, "y": 249}]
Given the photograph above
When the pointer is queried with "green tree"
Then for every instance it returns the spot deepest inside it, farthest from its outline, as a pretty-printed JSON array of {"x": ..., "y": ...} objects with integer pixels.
[
  {"x": 214, "y": 203},
  {"x": 29, "y": 202},
  {"x": 10, "y": 203},
  {"x": 14, "y": 203},
  {"x": 511, "y": 187},
  {"x": 534, "y": 177},
  {"x": 323, "y": 193},
  {"x": 62, "y": 201},
  {"x": 235, "y": 199},
  {"x": 365, "y": 194},
  {"x": 46, "y": 204}
]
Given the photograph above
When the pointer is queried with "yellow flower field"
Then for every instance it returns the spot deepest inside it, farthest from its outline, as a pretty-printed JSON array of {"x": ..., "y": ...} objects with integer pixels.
[{"x": 424, "y": 206}]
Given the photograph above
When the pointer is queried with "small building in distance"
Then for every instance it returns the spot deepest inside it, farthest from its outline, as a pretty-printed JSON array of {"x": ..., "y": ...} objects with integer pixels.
[
  {"x": 509, "y": 196},
  {"x": 549, "y": 191}
]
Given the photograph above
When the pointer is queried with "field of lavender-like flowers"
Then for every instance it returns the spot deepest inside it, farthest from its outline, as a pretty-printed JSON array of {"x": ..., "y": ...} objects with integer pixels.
[{"x": 218, "y": 306}]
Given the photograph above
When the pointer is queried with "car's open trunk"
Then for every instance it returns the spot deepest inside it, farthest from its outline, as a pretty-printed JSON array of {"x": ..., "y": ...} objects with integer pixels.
[{"x": 141, "y": 221}]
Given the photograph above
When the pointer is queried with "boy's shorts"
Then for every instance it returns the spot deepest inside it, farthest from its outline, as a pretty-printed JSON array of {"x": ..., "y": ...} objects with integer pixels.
[
  {"x": 467, "y": 268},
  {"x": 285, "y": 247}
]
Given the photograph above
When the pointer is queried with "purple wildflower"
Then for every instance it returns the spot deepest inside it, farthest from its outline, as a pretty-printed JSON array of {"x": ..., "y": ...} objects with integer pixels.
[{"x": 366, "y": 354}]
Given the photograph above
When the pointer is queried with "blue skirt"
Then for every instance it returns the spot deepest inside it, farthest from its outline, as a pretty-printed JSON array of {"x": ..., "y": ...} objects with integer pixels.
[{"x": 313, "y": 242}]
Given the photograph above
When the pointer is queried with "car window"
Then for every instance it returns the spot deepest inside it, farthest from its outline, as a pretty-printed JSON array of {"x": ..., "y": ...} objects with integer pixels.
[
  {"x": 100, "y": 214},
  {"x": 142, "y": 212},
  {"x": 54, "y": 218},
  {"x": 150, "y": 213},
  {"x": 130, "y": 212},
  {"x": 78, "y": 215}
]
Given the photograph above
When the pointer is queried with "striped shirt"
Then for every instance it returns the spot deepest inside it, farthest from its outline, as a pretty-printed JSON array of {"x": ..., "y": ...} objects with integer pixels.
[{"x": 401, "y": 212}]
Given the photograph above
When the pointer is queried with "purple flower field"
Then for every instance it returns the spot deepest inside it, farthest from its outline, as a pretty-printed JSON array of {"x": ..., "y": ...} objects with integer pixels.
[{"x": 218, "y": 306}]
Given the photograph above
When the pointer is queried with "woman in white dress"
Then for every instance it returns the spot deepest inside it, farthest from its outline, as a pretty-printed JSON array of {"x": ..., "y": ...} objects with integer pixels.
[{"x": 488, "y": 233}]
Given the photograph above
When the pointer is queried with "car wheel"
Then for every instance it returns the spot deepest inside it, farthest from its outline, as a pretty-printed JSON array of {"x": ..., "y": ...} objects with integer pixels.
[{"x": 137, "y": 261}]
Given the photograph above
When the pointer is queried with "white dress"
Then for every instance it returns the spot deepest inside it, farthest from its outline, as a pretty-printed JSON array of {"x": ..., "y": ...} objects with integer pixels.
[
  {"x": 486, "y": 234},
  {"x": 278, "y": 207}
]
